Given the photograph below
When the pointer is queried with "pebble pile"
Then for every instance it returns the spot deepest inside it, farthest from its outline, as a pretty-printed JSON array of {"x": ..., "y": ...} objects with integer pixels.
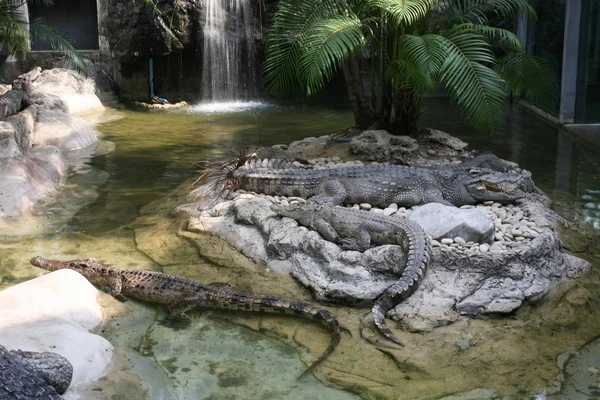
[{"x": 512, "y": 225}]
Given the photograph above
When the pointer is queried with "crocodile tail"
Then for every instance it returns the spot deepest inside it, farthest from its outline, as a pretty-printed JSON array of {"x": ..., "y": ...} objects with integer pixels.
[
  {"x": 419, "y": 256},
  {"x": 335, "y": 329}
]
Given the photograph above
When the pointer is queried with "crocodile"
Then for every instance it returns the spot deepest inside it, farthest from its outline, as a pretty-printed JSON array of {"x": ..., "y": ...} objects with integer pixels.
[
  {"x": 33, "y": 375},
  {"x": 12, "y": 102},
  {"x": 379, "y": 185},
  {"x": 356, "y": 230},
  {"x": 179, "y": 294}
]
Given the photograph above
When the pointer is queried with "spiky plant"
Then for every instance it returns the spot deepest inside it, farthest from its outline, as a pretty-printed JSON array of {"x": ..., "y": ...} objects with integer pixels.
[
  {"x": 17, "y": 34},
  {"x": 395, "y": 52}
]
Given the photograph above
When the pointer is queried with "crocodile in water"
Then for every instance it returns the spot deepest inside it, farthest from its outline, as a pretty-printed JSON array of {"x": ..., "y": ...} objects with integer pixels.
[
  {"x": 355, "y": 230},
  {"x": 32, "y": 375},
  {"x": 180, "y": 294}
]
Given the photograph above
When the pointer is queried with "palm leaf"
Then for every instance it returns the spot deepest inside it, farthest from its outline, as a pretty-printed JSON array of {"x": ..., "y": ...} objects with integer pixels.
[
  {"x": 326, "y": 47},
  {"x": 420, "y": 59},
  {"x": 477, "y": 11},
  {"x": 403, "y": 12},
  {"x": 495, "y": 36},
  {"x": 470, "y": 83},
  {"x": 530, "y": 77},
  {"x": 284, "y": 45}
]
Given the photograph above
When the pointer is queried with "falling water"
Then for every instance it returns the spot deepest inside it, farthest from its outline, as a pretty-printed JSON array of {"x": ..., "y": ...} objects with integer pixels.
[{"x": 229, "y": 61}]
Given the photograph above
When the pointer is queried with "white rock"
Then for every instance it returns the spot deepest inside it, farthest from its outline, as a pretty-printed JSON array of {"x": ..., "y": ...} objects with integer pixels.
[
  {"x": 484, "y": 248},
  {"x": 460, "y": 241},
  {"x": 441, "y": 221},
  {"x": 55, "y": 313},
  {"x": 365, "y": 206},
  {"x": 447, "y": 241},
  {"x": 388, "y": 211}
]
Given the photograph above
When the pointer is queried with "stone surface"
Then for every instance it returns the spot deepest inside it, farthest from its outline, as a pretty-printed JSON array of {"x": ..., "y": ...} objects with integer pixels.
[
  {"x": 76, "y": 92},
  {"x": 381, "y": 146},
  {"x": 441, "y": 221},
  {"x": 23, "y": 183},
  {"x": 458, "y": 282},
  {"x": 67, "y": 132},
  {"x": 444, "y": 143},
  {"x": 55, "y": 313}
]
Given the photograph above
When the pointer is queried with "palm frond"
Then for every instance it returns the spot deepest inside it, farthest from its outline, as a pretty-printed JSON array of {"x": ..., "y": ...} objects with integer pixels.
[
  {"x": 471, "y": 84},
  {"x": 478, "y": 11},
  {"x": 421, "y": 58},
  {"x": 403, "y": 12},
  {"x": 530, "y": 77},
  {"x": 292, "y": 21},
  {"x": 494, "y": 36},
  {"x": 326, "y": 47}
]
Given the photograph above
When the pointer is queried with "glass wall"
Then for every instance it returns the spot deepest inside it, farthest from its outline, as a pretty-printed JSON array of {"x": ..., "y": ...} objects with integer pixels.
[
  {"x": 545, "y": 39},
  {"x": 76, "y": 19},
  {"x": 588, "y": 90}
]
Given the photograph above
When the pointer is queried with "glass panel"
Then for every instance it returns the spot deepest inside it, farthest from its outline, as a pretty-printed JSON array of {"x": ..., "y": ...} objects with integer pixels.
[
  {"x": 547, "y": 36},
  {"x": 76, "y": 19},
  {"x": 590, "y": 57}
]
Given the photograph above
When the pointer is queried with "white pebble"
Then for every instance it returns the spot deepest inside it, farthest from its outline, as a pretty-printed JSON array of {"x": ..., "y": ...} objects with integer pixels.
[
  {"x": 488, "y": 203},
  {"x": 393, "y": 206},
  {"x": 484, "y": 248},
  {"x": 365, "y": 206},
  {"x": 447, "y": 241},
  {"x": 460, "y": 241}
]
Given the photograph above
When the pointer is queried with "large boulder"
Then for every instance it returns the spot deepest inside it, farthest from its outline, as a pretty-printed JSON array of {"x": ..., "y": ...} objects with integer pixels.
[
  {"x": 64, "y": 131},
  {"x": 55, "y": 313},
  {"x": 473, "y": 279},
  {"x": 440, "y": 221},
  {"x": 381, "y": 146},
  {"x": 66, "y": 89}
]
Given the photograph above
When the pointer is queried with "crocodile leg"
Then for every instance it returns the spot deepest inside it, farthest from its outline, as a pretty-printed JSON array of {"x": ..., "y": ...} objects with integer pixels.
[
  {"x": 114, "y": 286},
  {"x": 325, "y": 230},
  {"x": 331, "y": 192}
]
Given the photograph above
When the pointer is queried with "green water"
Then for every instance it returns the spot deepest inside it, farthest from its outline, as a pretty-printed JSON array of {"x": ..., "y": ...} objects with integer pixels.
[{"x": 154, "y": 153}]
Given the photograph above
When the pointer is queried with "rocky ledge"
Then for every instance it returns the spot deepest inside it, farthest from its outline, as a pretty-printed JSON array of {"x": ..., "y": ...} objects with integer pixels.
[
  {"x": 488, "y": 259},
  {"x": 37, "y": 130}
]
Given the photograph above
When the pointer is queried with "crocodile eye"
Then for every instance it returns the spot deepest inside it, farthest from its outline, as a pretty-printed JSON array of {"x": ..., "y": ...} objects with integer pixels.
[{"x": 475, "y": 172}]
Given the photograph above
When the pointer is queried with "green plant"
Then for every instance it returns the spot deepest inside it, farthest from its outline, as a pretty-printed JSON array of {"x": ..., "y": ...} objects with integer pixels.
[
  {"x": 395, "y": 52},
  {"x": 17, "y": 34}
]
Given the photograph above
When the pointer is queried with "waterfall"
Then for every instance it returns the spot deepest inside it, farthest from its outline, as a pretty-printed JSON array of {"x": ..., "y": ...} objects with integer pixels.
[{"x": 229, "y": 71}]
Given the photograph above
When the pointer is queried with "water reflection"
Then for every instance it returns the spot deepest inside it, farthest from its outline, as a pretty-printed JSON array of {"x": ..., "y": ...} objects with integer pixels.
[{"x": 562, "y": 165}]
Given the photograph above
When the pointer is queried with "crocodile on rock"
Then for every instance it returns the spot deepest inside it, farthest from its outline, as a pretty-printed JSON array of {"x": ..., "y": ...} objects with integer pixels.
[
  {"x": 378, "y": 185},
  {"x": 33, "y": 375},
  {"x": 180, "y": 294},
  {"x": 356, "y": 230}
]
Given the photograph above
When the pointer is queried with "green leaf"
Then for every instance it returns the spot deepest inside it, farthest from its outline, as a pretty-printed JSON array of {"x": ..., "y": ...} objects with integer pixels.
[
  {"x": 476, "y": 88},
  {"x": 325, "y": 48}
]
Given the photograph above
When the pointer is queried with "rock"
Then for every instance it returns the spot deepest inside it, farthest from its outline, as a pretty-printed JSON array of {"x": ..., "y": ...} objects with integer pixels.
[
  {"x": 23, "y": 183},
  {"x": 365, "y": 206},
  {"x": 447, "y": 241},
  {"x": 55, "y": 313},
  {"x": 52, "y": 160},
  {"x": 463, "y": 344},
  {"x": 389, "y": 211},
  {"x": 496, "y": 246},
  {"x": 441, "y": 221},
  {"x": 484, "y": 248},
  {"x": 460, "y": 241},
  {"x": 67, "y": 132},
  {"x": 76, "y": 92},
  {"x": 381, "y": 146},
  {"x": 445, "y": 140}
]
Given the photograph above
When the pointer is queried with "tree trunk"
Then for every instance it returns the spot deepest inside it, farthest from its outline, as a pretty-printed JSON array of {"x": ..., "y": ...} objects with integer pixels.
[
  {"x": 402, "y": 120},
  {"x": 361, "y": 107}
]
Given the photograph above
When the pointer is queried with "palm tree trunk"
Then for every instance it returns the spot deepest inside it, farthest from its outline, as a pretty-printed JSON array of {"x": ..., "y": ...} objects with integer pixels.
[
  {"x": 361, "y": 107},
  {"x": 405, "y": 114}
]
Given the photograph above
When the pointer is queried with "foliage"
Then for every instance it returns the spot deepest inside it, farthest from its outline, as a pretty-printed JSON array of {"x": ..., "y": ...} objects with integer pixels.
[
  {"x": 405, "y": 49},
  {"x": 17, "y": 33}
]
